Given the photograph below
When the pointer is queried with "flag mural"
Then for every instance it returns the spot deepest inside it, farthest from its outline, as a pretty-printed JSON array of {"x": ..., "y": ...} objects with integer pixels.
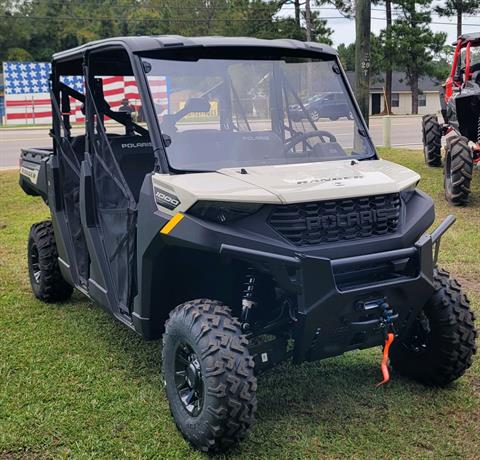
[{"x": 27, "y": 97}]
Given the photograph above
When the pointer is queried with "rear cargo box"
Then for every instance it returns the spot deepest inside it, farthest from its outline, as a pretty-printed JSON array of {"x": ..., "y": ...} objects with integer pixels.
[{"x": 33, "y": 171}]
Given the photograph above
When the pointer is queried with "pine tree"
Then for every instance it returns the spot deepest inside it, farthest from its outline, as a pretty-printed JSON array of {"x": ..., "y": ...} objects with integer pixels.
[
  {"x": 458, "y": 8},
  {"x": 414, "y": 43}
]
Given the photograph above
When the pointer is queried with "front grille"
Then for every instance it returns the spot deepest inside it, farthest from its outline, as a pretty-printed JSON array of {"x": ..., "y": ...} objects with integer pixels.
[{"x": 337, "y": 220}]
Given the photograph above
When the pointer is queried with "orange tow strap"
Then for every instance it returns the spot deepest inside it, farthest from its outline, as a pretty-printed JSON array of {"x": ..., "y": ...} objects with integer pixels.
[{"x": 384, "y": 366}]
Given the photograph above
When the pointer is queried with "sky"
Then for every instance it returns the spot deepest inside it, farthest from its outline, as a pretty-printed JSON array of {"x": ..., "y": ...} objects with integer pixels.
[{"x": 344, "y": 28}]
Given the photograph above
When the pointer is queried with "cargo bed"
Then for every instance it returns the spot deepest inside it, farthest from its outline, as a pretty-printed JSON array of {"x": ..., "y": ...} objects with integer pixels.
[{"x": 33, "y": 171}]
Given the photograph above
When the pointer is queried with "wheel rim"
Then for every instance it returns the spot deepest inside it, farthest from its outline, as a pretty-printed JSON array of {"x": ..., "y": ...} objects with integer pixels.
[
  {"x": 315, "y": 115},
  {"x": 189, "y": 379},
  {"x": 35, "y": 263},
  {"x": 419, "y": 336}
]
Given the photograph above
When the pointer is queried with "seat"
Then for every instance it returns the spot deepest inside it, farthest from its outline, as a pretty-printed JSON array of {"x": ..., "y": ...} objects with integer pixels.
[
  {"x": 78, "y": 146},
  {"x": 476, "y": 77},
  {"x": 215, "y": 149},
  {"x": 135, "y": 157}
]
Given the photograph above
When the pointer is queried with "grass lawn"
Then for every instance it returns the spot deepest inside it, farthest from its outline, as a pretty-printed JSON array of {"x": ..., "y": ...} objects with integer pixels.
[{"x": 75, "y": 383}]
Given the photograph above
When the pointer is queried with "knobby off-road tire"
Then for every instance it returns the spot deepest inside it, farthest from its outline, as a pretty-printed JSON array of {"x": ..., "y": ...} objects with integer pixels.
[
  {"x": 432, "y": 140},
  {"x": 441, "y": 343},
  {"x": 202, "y": 336},
  {"x": 46, "y": 280},
  {"x": 458, "y": 170}
]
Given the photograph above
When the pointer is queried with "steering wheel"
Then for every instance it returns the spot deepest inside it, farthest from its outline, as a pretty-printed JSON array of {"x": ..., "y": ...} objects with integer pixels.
[{"x": 303, "y": 137}]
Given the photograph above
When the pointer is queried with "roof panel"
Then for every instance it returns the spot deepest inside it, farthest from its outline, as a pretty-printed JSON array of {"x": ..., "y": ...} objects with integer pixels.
[
  {"x": 149, "y": 43},
  {"x": 474, "y": 38}
]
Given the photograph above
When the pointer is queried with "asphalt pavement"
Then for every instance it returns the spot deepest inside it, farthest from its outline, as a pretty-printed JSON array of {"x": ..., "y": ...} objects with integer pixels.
[{"x": 405, "y": 131}]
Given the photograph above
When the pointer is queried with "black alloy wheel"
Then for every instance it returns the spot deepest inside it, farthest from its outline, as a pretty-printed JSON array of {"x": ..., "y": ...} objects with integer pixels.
[{"x": 189, "y": 379}]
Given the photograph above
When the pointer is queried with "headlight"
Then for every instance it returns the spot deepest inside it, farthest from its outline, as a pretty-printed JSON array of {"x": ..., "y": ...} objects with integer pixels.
[
  {"x": 221, "y": 212},
  {"x": 407, "y": 193}
]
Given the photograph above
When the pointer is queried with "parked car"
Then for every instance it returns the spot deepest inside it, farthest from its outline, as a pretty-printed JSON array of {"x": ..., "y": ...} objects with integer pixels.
[{"x": 326, "y": 105}]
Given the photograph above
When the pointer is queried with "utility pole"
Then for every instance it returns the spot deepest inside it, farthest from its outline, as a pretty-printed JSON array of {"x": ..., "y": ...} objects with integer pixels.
[
  {"x": 459, "y": 20},
  {"x": 308, "y": 21},
  {"x": 362, "y": 56},
  {"x": 388, "y": 73},
  {"x": 308, "y": 28}
]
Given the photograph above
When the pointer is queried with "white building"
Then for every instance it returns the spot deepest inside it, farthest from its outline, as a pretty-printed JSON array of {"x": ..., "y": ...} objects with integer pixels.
[{"x": 428, "y": 99}]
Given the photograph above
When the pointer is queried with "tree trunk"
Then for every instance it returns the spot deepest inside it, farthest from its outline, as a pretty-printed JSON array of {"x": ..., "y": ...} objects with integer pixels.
[
  {"x": 459, "y": 21},
  {"x": 297, "y": 12},
  {"x": 308, "y": 21},
  {"x": 362, "y": 56},
  {"x": 414, "y": 88},
  {"x": 388, "y": 73}
]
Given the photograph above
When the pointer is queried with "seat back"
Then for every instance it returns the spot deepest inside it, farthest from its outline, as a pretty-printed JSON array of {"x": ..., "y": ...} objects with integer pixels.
[
  {"x": 135, "y": 157},
  {"x": 215, "y": 149}
]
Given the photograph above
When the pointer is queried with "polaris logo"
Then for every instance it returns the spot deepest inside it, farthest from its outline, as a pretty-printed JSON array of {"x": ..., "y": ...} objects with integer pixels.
[
  {"x": 256, "y": 138},
  {"x": 136, "y": 145},
  {"x": 165, "y": 199},
  {"x": 352, "y": 219}
]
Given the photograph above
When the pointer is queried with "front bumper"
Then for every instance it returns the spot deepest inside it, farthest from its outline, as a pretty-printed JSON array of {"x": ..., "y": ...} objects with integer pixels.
[{"x": 341, "y": 303}]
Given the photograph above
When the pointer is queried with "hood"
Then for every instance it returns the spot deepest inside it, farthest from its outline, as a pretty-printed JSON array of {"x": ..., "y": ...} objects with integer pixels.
[{"x": 327, "y": 180}]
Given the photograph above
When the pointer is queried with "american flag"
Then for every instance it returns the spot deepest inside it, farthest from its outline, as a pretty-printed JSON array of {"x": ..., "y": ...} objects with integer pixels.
[{"x": 27, "y": 98}]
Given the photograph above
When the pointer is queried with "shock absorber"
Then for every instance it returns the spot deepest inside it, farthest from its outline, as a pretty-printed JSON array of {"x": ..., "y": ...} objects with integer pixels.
[{"x": 248, "y": 299}]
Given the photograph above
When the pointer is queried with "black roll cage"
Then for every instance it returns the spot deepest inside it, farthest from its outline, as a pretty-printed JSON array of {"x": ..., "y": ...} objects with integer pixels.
[{"x": 161, "y": 162}]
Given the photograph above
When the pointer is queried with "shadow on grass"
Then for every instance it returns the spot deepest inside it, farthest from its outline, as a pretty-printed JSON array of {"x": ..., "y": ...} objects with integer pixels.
[{"x": 330, "y": 390}]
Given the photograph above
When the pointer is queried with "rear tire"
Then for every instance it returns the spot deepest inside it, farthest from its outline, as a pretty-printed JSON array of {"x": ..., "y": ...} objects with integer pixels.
[
  {"x": 458, "y": 171},
  {"x": 432, "y": 140},
  {"x": 46, "y": 279},
  {"x": 441, "y": 343},
  {"x": 208, "y": 372}
]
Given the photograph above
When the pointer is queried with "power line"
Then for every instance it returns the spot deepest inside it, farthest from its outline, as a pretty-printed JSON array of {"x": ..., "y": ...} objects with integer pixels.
[
  {"x": 432, "y": 22},
  {"x": 176, "y": 6},
  {"x": 126, "y": 9},
  {"x": 197, "y": 20},
  {"x": 77, "y": 18}
]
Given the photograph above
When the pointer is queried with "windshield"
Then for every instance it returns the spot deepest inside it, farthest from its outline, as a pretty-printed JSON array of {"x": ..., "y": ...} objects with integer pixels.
[{"x": 220, "y": 113}]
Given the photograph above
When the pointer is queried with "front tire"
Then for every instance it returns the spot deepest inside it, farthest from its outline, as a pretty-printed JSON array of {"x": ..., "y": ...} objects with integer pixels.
[
  {"x": 46, "y": 279},
  {"x": 208, "y": 372},
  {"x": 441, "y": 343},
  {"x": 432, "y": 140},
  {"x": 458, "y": 170}
]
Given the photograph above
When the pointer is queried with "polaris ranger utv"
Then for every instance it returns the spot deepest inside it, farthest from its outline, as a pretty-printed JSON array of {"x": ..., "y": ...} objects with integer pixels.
[
  {"x": 461, "y": 116},
  {"x": 243, "y": 236}
]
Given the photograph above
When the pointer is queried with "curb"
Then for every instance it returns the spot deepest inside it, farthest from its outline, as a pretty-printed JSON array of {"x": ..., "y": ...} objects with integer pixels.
[{"x": 8, "y": 168}]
